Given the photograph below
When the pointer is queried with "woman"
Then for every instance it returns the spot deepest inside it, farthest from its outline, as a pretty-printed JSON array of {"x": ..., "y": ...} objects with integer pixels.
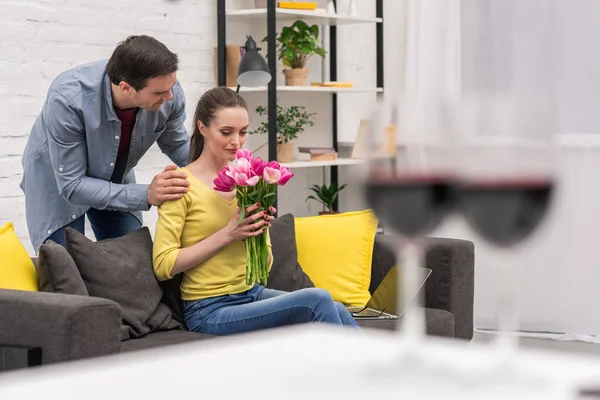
[{"x": 198, "y": 235}]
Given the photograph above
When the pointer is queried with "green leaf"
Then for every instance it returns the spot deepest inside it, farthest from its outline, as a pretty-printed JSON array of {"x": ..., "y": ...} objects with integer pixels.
[
  {"x": 242, "y": 211},
  {"x": 297, "y": 43},
  {"x": 314, "y": 198},
  {"x": 259, "y": 192},
  {"x": 253, "y": 196}
]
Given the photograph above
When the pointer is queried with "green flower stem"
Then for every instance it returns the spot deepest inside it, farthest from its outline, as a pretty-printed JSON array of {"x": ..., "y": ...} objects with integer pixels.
[
  {"x": 257, "y": 251},
  {"x": 249, "y": 277}
]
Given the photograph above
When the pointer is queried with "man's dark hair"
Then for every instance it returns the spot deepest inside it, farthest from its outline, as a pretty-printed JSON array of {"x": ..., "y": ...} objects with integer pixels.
[{"x": 139, "y": 58}]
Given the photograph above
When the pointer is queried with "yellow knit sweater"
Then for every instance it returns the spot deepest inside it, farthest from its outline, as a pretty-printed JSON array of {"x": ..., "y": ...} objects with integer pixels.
[{"x": 182, "y": 223}]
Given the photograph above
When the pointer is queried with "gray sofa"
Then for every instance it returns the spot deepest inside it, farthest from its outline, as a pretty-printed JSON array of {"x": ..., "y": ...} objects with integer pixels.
[{"x": 70, "y": 327}]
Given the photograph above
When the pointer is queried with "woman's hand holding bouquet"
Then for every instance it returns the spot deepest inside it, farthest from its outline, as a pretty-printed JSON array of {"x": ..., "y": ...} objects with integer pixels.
[{"x": 255, "y": 182}]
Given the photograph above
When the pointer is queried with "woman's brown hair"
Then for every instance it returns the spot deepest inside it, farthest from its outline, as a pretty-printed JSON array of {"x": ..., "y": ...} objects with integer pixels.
[{"x": 211, "y": 101}]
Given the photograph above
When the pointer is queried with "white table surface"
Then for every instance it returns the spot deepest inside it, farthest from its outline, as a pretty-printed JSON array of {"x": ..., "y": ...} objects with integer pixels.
[{"x": 313, "y": 362}]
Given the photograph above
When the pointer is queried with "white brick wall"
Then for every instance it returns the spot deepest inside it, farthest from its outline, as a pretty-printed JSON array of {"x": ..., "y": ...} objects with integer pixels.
[{"x": 41, "y": 38}]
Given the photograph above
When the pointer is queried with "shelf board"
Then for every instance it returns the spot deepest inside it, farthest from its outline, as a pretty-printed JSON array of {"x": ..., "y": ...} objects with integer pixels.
[
  {"x": 308, "y": 164},
  {"x": 310, "y": 17},
  {"x": 315, "y": 89}
]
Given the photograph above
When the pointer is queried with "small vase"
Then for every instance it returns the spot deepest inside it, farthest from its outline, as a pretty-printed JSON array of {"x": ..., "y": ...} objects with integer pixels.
[
  {"x": 295, "y": 76},
  {"x": 285, "y": 152}
]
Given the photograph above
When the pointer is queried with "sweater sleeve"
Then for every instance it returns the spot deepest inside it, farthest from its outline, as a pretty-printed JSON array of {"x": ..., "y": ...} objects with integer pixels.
[{"x": 167, "y": 238}]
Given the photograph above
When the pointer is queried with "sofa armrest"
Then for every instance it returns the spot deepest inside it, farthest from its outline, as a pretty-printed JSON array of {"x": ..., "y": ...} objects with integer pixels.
[
  {"x": 451, "y": 284},
  {"x": 64, "y": 327}
]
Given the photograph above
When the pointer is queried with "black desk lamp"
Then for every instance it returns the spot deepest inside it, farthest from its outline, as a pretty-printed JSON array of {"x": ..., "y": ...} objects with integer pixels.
[{"x": 253, "y": 70}]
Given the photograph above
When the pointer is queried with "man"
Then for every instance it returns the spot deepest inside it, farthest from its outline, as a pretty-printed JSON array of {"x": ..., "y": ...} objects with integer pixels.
[{"x": 98, "y": 120}]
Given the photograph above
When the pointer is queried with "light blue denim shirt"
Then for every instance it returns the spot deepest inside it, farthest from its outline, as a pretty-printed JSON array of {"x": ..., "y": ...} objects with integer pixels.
[{"x": 72, "y": 150}]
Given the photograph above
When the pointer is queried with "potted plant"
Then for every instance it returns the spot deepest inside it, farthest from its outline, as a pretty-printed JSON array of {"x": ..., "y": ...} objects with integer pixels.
[
  {"x": 295, "y": 45},
  {"x": 326, "y": 195},
  {"x": 291, "y": 122}
]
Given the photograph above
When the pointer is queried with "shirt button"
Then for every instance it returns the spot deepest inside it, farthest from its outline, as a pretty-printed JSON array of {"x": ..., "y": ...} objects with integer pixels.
[
  {"x": 60, "y": 169},
  {"x": 112, "y": 164},
  {"x": 117, "y": 137},
  {"x": 49, "y": 231},
  {"x": 74, "y": 216}
]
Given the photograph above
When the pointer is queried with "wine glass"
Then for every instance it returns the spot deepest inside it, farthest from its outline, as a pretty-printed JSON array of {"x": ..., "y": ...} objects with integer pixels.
[
  {"x": 505, "y": 147},
  {"x": 411, "y": 193},
  {"x": 506, "y": 180}
]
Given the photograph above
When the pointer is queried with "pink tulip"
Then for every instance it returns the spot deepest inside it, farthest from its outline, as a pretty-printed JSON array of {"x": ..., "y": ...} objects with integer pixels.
[
  {"x": 258, "y": 166},
  {"x": 271, "y": 175},
  {"x": 274, "y": 164},
  {"x": 286, "y": 175},
  {"x": 244, "y": 153},
  {"x": 245, "y": 180},
  {"x": 253, "y": 181},
  {"x": 240, "y": 166},
  {"x": 240, "y": 179},
  {"x": 224, "y": 183}
]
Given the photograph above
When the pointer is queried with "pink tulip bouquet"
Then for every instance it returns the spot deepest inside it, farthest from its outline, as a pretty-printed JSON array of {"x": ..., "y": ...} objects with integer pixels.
[{"x": 255, "y": 181}]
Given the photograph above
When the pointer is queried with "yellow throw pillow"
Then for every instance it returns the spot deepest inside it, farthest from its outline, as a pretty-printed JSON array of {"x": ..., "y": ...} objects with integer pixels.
[
  {"x": 16, "y": 268},
  {"x": 336, "y": 251}
]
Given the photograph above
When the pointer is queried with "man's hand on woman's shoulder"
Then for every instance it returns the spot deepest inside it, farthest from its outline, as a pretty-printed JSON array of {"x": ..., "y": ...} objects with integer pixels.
[{"x": 170, "y": 184}]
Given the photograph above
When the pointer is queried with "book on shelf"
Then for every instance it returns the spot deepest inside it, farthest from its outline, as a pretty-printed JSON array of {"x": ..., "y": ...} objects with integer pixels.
[
  {"x": 332, "y": 84},
  {"x": 316, "y": 150},
  {"x": 297, "y": 5},
  {"x": 319, "y": 153}
]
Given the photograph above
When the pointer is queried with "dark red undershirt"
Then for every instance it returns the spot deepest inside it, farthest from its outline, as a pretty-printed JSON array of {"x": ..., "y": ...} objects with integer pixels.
[{"x": 127, "y": 118}]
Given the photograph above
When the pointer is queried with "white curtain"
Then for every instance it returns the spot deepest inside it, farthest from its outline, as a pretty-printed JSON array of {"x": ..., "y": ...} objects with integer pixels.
[
  {"x": 486, "y": 48},
  {"x": 511, "y": 48}
]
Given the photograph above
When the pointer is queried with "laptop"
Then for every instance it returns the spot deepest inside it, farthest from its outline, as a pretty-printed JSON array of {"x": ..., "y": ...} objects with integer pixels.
[{"x": 383, "y": 303}]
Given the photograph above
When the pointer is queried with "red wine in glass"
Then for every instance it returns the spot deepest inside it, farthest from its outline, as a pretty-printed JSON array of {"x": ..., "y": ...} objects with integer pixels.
[
  {"x": 505, "y": 211},
  {"x": 411, "y": 204}
]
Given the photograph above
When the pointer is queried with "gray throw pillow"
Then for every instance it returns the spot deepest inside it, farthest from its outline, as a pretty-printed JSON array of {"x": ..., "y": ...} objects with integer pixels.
[
  {"x": 57, "y": 272},
  {"x": 286, "y": 273},
  {"x": 120, "y": 269}
]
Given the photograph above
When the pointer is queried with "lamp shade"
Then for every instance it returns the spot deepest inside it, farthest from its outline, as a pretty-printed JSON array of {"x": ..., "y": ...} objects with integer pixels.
[{"x": 253, "y": 69}]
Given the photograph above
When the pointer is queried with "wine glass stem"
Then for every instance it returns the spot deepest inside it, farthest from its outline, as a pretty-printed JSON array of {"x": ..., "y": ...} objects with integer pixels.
[
  {"x": 411, "y": 256},
  {"x": 507, "y": 340}
]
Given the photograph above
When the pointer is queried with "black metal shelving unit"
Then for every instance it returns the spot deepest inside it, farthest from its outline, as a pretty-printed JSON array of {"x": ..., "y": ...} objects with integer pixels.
[{"x": 272, "y": 63}]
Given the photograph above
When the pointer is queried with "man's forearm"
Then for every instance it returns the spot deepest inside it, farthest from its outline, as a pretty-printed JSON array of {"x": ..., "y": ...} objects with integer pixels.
[{"x": 104, "y": 195}]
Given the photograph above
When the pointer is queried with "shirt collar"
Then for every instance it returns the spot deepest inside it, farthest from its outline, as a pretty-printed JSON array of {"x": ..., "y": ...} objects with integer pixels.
[{"x": 111, "y": 115}]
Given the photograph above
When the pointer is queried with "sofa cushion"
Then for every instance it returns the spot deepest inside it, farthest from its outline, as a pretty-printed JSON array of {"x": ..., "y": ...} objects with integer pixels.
[
  {"x": 286, "y": 273},
  {"x": 57, "y": 272},
  {"x": 120, "y": 269},
  {"x": 16, "y": 268},
  {"x": 336, "y": 250},
  {"x": 162, "y": 339}
]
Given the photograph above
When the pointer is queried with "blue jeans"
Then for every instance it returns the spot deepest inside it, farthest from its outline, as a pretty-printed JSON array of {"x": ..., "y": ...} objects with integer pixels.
[
  {"x": 262, "y": 308},
  {"x": 105, "y": 224}
]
